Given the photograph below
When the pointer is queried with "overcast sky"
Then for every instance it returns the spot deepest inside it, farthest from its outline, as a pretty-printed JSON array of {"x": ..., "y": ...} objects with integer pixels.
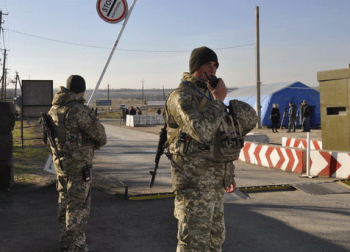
[{"x": 52, "y": 39}]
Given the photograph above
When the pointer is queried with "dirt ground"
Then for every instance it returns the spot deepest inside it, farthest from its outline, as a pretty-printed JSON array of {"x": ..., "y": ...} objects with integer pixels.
[{"x": 28, "y": 215}]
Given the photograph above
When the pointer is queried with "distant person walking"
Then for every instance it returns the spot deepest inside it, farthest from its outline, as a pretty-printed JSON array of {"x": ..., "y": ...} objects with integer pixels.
[
  {"x": 132, "y": 111},
  {"x": 125, "y": 111},
  {"x": 275, "y": 117},
  {"x": 292, "y": 116},
  {"x": 305, "y": 115},
  {"x": 139, "y": 112}
]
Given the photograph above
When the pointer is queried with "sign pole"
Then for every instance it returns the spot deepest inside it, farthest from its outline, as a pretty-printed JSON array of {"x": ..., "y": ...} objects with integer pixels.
[
  {"x": 308, "y": 160},
  {"x": 308, "y": 154},
  {"x": 257, "y": 58},
  {"x": 112, "y": 52}
]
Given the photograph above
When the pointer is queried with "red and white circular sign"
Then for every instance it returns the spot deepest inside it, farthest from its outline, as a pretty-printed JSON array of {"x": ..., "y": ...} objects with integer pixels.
[{"x": 112, "y": 11}]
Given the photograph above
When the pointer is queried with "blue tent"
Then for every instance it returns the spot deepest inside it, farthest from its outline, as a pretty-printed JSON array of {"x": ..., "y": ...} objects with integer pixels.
[{"x": 281, "y": 94}]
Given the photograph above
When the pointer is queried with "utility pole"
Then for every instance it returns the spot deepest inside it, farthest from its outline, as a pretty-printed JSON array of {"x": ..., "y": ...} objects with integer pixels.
[
  {"x": 108, "y": 93},
  {"x": 142, "y": 90},
  {"x": 2, "y": 82},
  {"x": 257, "y": 48},
  {"x": 3, "y": 89},
  {"x": 3, "y": 85},
  {"x": 164, "y": 93},
  {"x": 0, "y": 22},
  {"x": 17, "y": 80}
]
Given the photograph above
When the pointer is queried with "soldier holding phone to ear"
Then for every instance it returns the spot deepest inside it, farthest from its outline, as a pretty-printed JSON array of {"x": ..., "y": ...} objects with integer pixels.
[{"x": 193, "y": 114}]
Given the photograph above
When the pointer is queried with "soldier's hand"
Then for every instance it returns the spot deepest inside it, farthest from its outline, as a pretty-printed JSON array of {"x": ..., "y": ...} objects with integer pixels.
[
  {"x": 97, "y": 147},
  {"x": 231, "y": 188},
  {"x": 220, "y": 92}
]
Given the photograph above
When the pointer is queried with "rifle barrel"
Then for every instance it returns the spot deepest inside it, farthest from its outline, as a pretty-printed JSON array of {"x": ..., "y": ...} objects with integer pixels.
[
  {"x": 153, "y": 173},
  {"x": 160, "y": 151}
]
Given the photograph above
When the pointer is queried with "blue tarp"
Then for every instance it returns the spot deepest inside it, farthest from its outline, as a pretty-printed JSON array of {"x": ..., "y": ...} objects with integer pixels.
[{"x": 281, "y": 94}]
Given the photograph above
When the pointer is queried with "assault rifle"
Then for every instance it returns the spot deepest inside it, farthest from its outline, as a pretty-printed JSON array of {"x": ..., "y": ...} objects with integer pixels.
[
  {"x": 47, "y": 134},
  {"x": 160, "y": 151}
]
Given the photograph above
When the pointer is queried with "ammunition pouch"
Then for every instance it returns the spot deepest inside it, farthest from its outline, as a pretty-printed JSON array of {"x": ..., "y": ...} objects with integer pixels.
[
  {"x": 225, "y": 146},
  {"x": 228, "y": 141},
  {"x": 180, "y": 145}
]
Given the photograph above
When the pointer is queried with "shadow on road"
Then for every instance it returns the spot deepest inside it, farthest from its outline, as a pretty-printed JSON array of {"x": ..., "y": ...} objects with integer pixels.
[{"x": 28, "y": 223}]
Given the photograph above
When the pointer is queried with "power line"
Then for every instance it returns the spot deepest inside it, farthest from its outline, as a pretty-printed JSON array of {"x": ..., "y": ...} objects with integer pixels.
[
  {"x": 55, "y": 40},
  {"x": 129, "y": 50}
]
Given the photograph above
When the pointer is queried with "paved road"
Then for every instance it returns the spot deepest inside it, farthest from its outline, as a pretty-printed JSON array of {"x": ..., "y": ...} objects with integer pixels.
[
  {"x": 128, "y": 157},
  {"x": 267, "y": 221}
]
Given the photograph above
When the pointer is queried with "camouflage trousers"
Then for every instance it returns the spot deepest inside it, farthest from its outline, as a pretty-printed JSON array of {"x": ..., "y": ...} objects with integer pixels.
[
  {"x": 74, "y": 199},
  {"x": 201, "y": 225}
]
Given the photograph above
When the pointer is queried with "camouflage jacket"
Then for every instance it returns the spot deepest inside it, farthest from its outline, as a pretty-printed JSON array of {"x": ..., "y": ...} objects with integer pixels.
[
  {"x": 196, "y": 129},
  {"x": 76, "y": 131}
]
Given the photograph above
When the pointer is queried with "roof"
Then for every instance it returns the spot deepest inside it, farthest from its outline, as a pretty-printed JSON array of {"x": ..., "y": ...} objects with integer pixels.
[
  {"x": 248, "y": 92},
  {"x": 277, "y": 93},
  {"x": 155, "y": 103}
]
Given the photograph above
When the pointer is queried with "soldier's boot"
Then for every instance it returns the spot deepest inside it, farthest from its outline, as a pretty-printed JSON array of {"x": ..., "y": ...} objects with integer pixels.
[
  {"x": 64, "y": 243},
  {"x": 80, "y": 248}
]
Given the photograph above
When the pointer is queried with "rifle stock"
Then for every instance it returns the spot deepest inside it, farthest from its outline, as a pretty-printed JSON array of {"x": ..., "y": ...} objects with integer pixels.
[{"x": 160, "y": 151}]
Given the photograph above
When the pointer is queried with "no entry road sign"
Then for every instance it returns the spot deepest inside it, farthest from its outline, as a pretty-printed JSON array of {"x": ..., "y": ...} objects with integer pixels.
[{"x": 112, "y": 11}]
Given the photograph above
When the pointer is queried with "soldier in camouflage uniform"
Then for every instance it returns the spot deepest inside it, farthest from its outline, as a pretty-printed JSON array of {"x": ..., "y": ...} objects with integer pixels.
[
  {"x": 200, "y": 176},
  {"x": 198, "y": 183},
  {"x": 77, "y": 133}
]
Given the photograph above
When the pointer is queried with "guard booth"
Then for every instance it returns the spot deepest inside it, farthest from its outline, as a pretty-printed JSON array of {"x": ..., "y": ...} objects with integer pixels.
[{"x": 335, "y": 109}]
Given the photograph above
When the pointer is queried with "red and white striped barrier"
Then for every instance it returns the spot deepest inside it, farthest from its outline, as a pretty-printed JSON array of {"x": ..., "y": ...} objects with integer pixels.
[
  {"x": 330, "y": 164},
  {"x": 286, "y": 159},
  {"x": 301, "y": 143},
  {"x": 322, "y": 163}
]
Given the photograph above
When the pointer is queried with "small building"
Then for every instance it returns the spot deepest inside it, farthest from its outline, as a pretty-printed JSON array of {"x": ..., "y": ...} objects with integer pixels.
[
  {"x": 155, "y": 104},
  {"x": 281, "y": 94}
]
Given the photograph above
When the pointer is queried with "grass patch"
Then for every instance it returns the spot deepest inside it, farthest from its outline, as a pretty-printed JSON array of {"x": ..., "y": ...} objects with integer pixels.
[
  {"x": 113, "y": 115},
  {"x": 29, "y": 158}
]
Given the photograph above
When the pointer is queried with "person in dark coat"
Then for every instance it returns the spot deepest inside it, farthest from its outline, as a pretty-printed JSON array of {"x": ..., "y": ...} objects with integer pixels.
[
  {"x": 132, "y": 111},
  {"x": 305, "y": 115},
  {"x": 275, "y": 117},
  {"x": 292, "y": 116}
]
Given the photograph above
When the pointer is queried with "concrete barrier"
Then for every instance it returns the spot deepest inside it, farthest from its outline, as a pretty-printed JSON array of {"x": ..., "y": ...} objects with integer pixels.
[
  {"x": 301, "y": 143},
  {"x": 323, "y": 163},
  {"x": 332, "y": 164},
  {"x": 257, "y": 138},
  {"x": 144, "y": 120},
  {"x": 283, "y": 158}
]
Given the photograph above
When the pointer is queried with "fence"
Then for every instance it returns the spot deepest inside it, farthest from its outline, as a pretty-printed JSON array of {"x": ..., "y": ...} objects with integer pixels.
[{"x": 144, "y": 120}]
